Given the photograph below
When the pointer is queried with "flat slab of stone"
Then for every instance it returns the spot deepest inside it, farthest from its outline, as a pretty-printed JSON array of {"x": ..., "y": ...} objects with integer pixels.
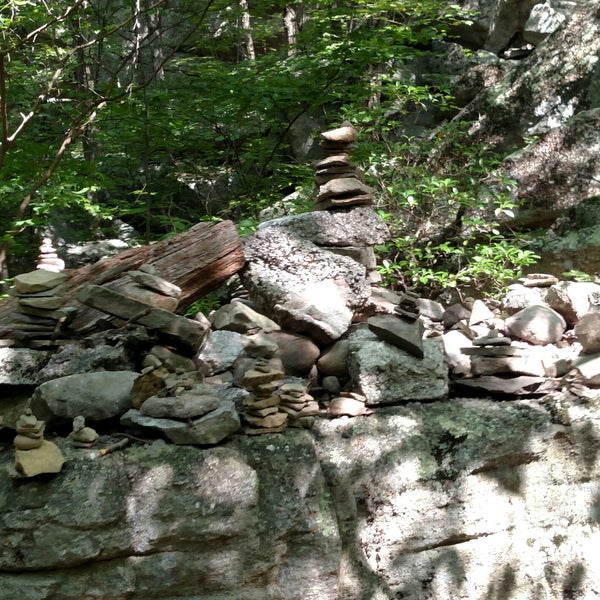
[
  {"x": 513, "y": 386},
  {"x": 181, "y": 330},
  {"x": 38, "y": 281}
]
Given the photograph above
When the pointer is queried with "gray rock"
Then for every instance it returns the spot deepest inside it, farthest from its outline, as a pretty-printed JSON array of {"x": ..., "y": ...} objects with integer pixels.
[
  {"x": 73, "y": 358},
  {"x": 538, "y": 325},
  {"x": 543, "y": 20},
  {"x": 587, "y": 332},
  {"x": 334, "y": 360},
  {"x": 21, "y": 366},
  {"x": 208, "y": 429},
  {"x": 219, "y": 352},
  {"x": 573, "y": 299},
  {"x": 182, "y": 331},
  {"x": 385, "y": 374},
  {"x": 172, "y": 361},
  {"x": 156, "y": 283},
  {"x": 302, "y": 287},
  {"x": 187, "y": 405},
  {"x": 399, "y": 332},
  {"x": 239, "y": 317},
  {"x": 95, "y": 396},
  {"x": 297, "y": 353},
  {"x": 359, "y": 226},
  {"x": 38, "y": 281},
  {"x": 519, "y": 297}
]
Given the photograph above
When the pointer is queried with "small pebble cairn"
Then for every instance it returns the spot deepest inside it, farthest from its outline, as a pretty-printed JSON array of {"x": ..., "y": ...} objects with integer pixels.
[
  {"x": 30, "y": 432},
  {"x": 33, "y": 454},
  {"x": 296, "y": 401},
  {"x": 48, "y": 258},
  {"x": 340, "y": 182},
  {"x": 82, "y": 436},
  {"x": 40, "y": 314},
  {"x": 262, "y": 413}
]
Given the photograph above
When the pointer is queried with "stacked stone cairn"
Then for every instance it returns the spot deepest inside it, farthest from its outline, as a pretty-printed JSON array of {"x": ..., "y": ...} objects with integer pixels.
[
  {"x": 262, "y": 412},
  {"x": 33, "y": 454},
  {"x": 48, "y": 258},
  {"x": 296, "y": 401},
  {"x": 340, "y": 183},
  {"x": 40, "y": 314},
  {"x": 82, "y": 436},
  {"x": 341, "y": 186}
]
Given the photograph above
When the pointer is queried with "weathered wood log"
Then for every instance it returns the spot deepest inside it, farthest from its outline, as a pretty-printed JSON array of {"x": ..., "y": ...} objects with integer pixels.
[{"x": 197, "y": 261}]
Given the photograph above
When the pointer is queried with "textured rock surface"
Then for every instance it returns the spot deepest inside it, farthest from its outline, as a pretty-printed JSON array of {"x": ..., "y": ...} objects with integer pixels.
[
  {"x": 460, "y": 499},
  {"x": 21, "y": 366},
  {"x": 302, "y": 287}
]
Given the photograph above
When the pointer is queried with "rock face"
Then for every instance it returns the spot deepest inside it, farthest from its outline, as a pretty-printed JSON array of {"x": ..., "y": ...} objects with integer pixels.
[{"x": 441, "y": 500}]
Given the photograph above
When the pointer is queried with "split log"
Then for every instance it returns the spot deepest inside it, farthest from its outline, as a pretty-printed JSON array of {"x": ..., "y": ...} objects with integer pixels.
[{"x": 197, "y": 261}]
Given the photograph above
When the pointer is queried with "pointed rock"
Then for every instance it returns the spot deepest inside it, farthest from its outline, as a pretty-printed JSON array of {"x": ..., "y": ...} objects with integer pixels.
[{"x": 399, "y": 333}]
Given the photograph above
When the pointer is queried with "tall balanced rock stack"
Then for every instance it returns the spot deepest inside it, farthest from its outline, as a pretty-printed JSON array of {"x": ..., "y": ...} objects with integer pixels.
[
  {"x": 48, "y": 258},
  {"x": 40, "y": 314},
  {"x": 340, "y": 182},
  {"x": 261, "y": 408}
]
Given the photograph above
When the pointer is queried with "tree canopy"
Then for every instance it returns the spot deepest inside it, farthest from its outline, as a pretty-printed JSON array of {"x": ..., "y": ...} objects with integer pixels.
[{"x": 164, "y": 112}]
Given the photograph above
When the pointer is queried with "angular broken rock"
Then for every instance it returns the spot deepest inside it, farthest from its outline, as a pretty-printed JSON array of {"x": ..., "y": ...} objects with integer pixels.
[
  {"x": 156, "y": 283},
  {"x": 208, "y": 429},
  {"x": 241, "y": 318},
  {"x": 399, "y": 333},
  {"x": 177, "y": 329}
]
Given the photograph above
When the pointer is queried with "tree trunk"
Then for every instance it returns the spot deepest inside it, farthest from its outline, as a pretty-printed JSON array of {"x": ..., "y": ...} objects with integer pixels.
[{"x": 198, "y": 261}]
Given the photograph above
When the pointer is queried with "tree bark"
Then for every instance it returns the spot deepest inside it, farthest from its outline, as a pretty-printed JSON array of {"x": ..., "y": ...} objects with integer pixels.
[{"x": 198, "y": 261}]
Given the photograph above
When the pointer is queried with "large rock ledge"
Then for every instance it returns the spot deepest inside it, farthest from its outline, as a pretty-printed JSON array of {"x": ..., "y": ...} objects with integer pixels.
[{"x": 457, "y": 499}]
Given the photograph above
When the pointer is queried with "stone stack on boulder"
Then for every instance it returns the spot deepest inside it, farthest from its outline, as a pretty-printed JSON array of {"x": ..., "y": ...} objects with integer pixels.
[
  {"x": 33, "y": 454},
  {"x": 340, "y": 182},
  {"x": 261, "y": 409},
  {"x": 171, "y": 397},
  {"x": 40, "y": 314},
  {"x": 48, "y": 259}
]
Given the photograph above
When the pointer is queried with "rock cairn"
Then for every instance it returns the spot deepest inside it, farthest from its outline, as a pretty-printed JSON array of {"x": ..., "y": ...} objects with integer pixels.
[
  {"x": 341, "y": 186},
  {"x": 48, "y": 258},
  {"x": 340, "y": 183},
  {"x": 82, "y": 436},
  {"x": 40, "y": 314},
  {"x": 171, "y": 397},
  {"x": 33, "y": 454},
  {"x": 296, "y": 401},
  {"x": 262, "y": 413}
]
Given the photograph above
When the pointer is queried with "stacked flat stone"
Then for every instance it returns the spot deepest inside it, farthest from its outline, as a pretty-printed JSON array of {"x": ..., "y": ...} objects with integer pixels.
[
  {"x": 262, "y": 412},
  {"x": 341, "y": 187},
  {"x": 340, "y": 183},
  {"x": 296, "y": 401},
  {"x": 40, "y": 314},
  {"x": 48, "y": 258},
  {"x": 33, "y": 454}
]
